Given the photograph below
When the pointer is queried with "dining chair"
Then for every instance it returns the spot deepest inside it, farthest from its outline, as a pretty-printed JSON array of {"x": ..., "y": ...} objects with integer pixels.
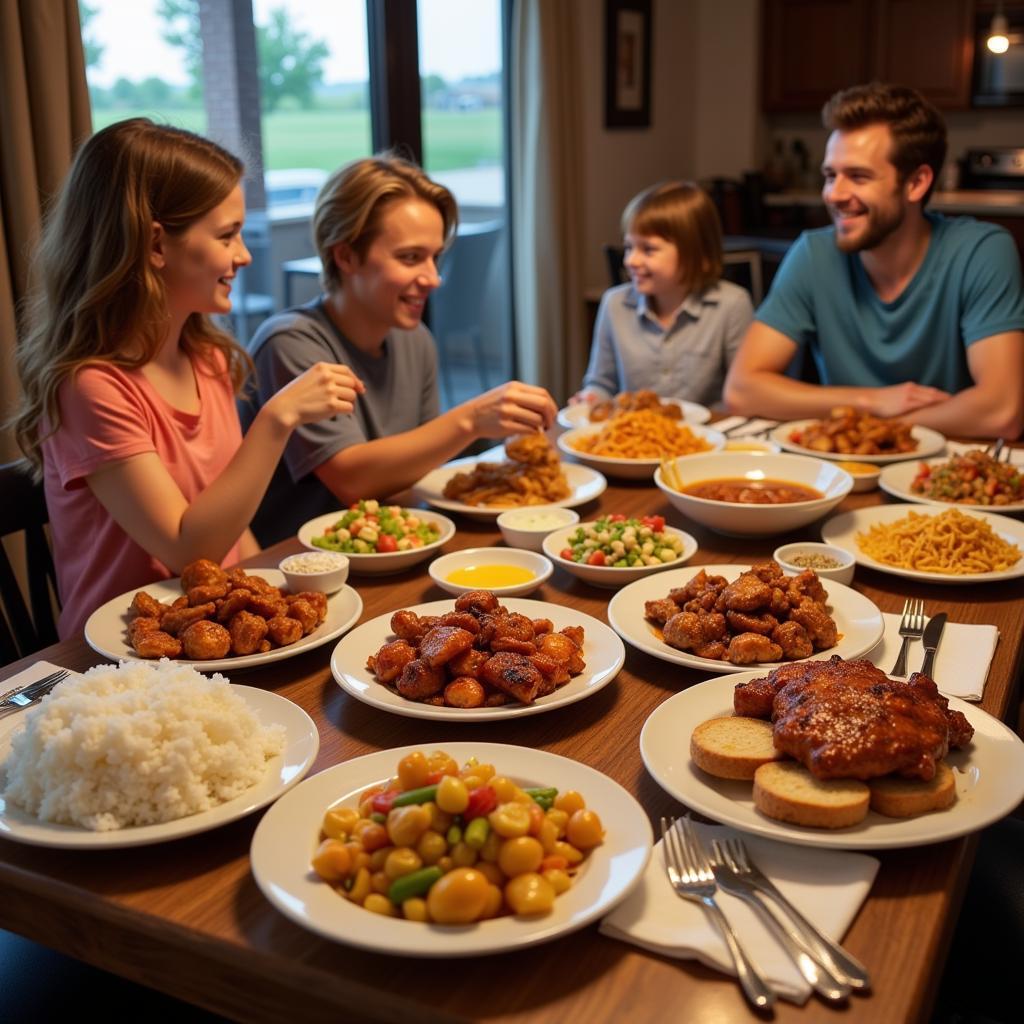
[{"x": 25, "y": 626}]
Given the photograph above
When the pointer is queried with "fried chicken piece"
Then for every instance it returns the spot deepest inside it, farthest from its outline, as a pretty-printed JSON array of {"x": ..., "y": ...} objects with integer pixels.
[
  {"x": 314, "y": 598},
  {"x": 794, "y": 640},
  {"x": 201, "y": 573},
  {"x": 562, "y": 648},
  {"x": 150, "y": 641},
  {"x": 779, "y": 605},
  {"x": 419, "y": 680},
  {"x": 283, "y": 631},
  {"x": 541, "y": 626},
  {"x": 513, "y": 633},
  {"x": 443, "y": 643},
  {"x": 769, "y": 572},
  {"x": 387, "y": 664},
  {"x": 531, "y": 449},
  {"x": 496, "y": 699},
  {"x": 513, "y": 674},
  {"x": 555, "y": 673},
  {"x": 176, "y": 620},
  {"x": 247, "y": 632},
  {"x": 660, "y": 611},
  {"x": 747, "y": 648},
  {"x": 207, "y": 592},
  {"x": 715, "y": 650},
  {"x": 304, "y": 613},
  {"x": 146, "y": 606},
  {"x": 820, "y": 626},
  {"x": 805, "y": 585},
  {"x": 204, "y": 641},
  {"x": 236, "y": 601},
  {"x": 464, "y": 692},
  {"x": 575, "y": 634},
  {"x": 477, "y": 602},
  {"x": 269, "y": 605},
  {"x": 745, "y": 593},
  {"x": 689, "y": 629},
  {"x": 745, "y": 622},
  {"x": 696, "y": 586},
  {"x": 464, "y": 620},
  {"x": 755, "y": 699},
  {"x": 140, "y": 626},
  {"x": 468, "y": 663},
  {"x": 407, "y": 625}
]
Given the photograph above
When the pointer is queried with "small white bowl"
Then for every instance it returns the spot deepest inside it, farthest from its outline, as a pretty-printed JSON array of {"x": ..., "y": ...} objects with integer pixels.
[
  {"x": 750, "y": 444},
  {"x": 323, "y": 571},
  {"x": 441, "y": 568},
  {"x": 608, "y": 575},
  {"x": 865, "y": 477},
  {"x": 842, "y": 573},
  {"x": 527, "y": 527}
]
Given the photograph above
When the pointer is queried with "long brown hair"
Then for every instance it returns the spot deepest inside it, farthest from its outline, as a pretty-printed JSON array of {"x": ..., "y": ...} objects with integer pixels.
[
  {"x": 97, "y": 298},
  {"x": 352, "y": 202},
  {"x": 683, "y": 213}
]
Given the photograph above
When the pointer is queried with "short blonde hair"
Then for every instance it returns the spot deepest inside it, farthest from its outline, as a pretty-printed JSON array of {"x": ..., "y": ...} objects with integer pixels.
[
  {"x": 683, "y": 213},
  {"x": 352, "y": 201}
]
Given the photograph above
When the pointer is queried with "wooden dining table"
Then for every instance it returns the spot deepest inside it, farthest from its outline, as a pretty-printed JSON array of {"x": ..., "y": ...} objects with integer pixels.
[{"x": 187, "y": 917}]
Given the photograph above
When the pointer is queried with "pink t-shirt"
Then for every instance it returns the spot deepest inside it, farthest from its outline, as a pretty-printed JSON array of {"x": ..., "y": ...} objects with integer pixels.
[{"x": 108, "y": 415}]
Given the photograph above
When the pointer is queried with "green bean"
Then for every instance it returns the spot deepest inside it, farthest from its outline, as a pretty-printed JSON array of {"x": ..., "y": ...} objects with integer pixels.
[
  {"x": 476, "y": 833},
  {"x": 422, "y": 795},
  {"x": 416, "y": 883},
  {"x": 381, "y": 819},
  {"x": 454, "y": 835}
]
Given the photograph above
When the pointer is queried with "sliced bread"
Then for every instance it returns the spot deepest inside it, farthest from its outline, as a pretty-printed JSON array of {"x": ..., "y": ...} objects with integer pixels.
[
  {"x": 787, "y": 791},
  {"x": 733, "y": 748},
  {"x": 907, "y": 798}
]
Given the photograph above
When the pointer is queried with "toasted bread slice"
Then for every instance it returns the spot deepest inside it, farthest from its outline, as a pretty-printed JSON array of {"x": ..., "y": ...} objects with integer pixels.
[
  {"x": 733, "y": 748},
  {"x": 907, "y": 798},
  {"x": 787, "y": 791}
]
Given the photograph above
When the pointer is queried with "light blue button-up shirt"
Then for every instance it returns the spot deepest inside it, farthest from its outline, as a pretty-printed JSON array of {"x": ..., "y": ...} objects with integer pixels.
[{"x": 689, "y": 359}]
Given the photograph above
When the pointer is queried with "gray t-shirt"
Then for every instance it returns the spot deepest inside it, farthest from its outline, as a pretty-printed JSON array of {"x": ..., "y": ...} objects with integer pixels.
[{"x": 401, "y": 394}]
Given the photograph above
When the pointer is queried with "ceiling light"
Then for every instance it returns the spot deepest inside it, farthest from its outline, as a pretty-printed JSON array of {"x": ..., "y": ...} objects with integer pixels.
[{"x": 997, "y": 41}]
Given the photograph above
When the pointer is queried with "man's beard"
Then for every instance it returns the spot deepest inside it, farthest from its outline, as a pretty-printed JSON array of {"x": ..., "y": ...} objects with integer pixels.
[{"x": 879, "y": 227}]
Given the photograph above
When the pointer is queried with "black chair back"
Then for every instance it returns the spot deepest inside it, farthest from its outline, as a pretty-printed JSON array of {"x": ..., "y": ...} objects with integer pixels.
[{"x": 25, "y": 628}]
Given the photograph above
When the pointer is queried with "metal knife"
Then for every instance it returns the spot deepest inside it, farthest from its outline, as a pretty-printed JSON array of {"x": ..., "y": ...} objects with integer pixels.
[{"x": 932, "y": 634}]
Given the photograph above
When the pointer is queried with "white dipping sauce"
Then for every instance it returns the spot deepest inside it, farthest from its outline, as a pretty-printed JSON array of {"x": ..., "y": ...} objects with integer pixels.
[
  {"x": 312, "y": 562},
  {"x": 535, "y": 520}
]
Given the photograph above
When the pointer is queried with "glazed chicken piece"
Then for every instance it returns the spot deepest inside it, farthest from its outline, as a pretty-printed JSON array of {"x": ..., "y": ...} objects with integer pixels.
[
  {"x": 443, "y": 643},
  {"x": 477, "y": 602},
  {"x": 820, "y": 626},
  {"x": 769, "y": 572},
  {"x": 176, "y": 620},
  {"x": 207, "y": 592},
  {"x": 541, "y": 626},
  {"x": 283, "y": 631},
  {"x": 237, "y": 601},
  {"x": 688, "y": 629},
  {"x": 748, "y": 622},
  {"x": 269, "y": 605},
  {"x": 575, "y": 634},
  {"x": 150, "y": 641},
  {"x": 464, "y": 692},
  {"x": 418, "y": 680},
  {"x": 715, "y": 650},
  {"x": 660, "y": 611},
  {"x": 146, "y": 606},
  {"x": 409, "y": 626},
  {"x": 564, "y": 649},
  {"x": 745, "y": 593},
  {"x": 531, "y": 449},
  {"x": 311, "y": 597},
  {"x": 555, "y": 673},
  {"x": 747, "y": 648},
  {"x": 805, "y": 585},
  {"x": 201, "y": 573},
  {"x": 468, "y": 663},
  {"x": 303, "y": 612},
  {"x": 794, "y": 641},
  {"x": 514, "y": 633},
  {"x": 388, "y": 662},
  {"x": 204, "y": 641},
  {"x": 247, "y": 632},
  {"x": 513, "y": 674},
  {"x": 140, "y": 626},
  {"x": 464, "y": 620}
]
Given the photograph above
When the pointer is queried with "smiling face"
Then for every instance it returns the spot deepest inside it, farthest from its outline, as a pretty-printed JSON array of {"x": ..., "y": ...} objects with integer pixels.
[
  {"x": 653, "y": 265},
  {"x": 391, "y": 283},
  {"x": 862, "y": 190},
  {"x": 199, "y": 265}
]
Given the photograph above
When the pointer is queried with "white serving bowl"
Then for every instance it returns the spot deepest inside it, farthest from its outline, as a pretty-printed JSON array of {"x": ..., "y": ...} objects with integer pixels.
[
  {"x": 442, "y": 567},
  {"x": 750, "y": 444},
  {"x": 740, "y": 520},
  {"x": 865, "y": 477},
  {"x": 381, "y": 563},
  {"x": 842, "y": 573},
  {"x": 608, "y": 575},
  {"x": 301, "y": 571},
  {"x": 629, "y": 469},
  {"x": 527, "y": 527}
]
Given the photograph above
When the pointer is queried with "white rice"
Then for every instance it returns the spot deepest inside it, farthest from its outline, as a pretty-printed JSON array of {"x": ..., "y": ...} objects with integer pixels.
[{"x": 139, "y": 744}]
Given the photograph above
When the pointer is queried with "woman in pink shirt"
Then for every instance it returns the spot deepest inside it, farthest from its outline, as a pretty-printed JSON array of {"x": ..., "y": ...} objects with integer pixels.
[{"x": 128, "y": 404}]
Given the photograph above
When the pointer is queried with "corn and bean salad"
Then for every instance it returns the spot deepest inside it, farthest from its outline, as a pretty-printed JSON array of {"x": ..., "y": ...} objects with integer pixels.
[
  {"x": 974, "y": 478},
  {"x": 371, "y": 528},
  {"x": 454, "y": 845},
  {"x": 622, "y": 543}
]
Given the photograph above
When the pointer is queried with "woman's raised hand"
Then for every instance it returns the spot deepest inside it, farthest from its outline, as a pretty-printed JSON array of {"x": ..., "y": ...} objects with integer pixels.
[
  {"x": 324, "y": 390},
  {"x": 513, "y": 408}
]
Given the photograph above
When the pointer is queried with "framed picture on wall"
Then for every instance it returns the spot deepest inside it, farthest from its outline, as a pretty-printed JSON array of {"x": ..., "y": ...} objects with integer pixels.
[{"x": 627, "y": 64}]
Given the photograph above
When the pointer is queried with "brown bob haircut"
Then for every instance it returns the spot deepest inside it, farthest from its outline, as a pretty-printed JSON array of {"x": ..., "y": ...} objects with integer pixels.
[
  {"x": 918, "y": 130},
  {"x": 683, "y": 213},
  {"x": 352, "y": 202}
]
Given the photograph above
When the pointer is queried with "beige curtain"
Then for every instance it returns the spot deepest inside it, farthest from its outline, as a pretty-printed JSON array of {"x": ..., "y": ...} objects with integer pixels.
[
  {"x": 546, "y": 195},
  {"x": 44, "y": 114}
]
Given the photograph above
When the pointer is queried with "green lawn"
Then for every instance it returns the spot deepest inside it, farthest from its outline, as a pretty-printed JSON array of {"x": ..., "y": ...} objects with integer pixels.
[{"x": 327, "y": 138}]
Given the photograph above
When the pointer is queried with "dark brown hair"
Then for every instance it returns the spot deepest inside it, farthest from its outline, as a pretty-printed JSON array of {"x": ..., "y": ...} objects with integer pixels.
[
  {"x": 918, "y": 130},
  {"x": 683, "y": 213}
]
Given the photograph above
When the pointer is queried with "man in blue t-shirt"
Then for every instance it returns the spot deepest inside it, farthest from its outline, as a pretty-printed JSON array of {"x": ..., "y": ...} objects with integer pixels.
[{"x": 904, "y": 313}]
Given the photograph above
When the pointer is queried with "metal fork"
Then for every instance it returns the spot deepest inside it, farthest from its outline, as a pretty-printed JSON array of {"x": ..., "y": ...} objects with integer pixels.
[
  {"x": 691, "y": 876},
  {"x": 829, "y": 953},
  {"x": 830, "y": 986},
  {"x": 911, "y": 628},
  {"x": 27, "y": 695}
]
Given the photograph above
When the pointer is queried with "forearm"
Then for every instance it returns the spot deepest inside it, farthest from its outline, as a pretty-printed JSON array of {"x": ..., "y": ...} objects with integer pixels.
[
  {"x": 774, "y": 395},
  {"x": 976, "y": 412}
]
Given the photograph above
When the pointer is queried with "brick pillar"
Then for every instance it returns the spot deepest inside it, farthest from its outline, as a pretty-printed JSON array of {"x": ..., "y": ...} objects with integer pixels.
[{"x": 231, "y": 87}]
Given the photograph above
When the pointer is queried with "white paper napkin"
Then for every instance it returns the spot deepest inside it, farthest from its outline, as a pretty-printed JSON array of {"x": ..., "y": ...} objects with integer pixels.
[
  {"x": 754, "y": 426},
  {"x": 961, "y": 662},
  {"x": 28, "y": 675},
  {"x": 827, "y": 886}
]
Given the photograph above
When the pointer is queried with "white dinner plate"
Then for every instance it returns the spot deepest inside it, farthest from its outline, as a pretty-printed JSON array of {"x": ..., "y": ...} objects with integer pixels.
[
  {"x": 301, "y": 744},
  {"x": 843, "y": 529},
  {"x": 380, "y": 563},
  {"x": 579, "y": 415},
  {"x": 858, "y": 620},
  {"x": 896, "y": 480},
  {"x": 289, "y": 834},
  {"x": 989, "y": 778},
  {"x": 630, "y": 469},
  {"x": 602, "y": 651},
  {"x": 106, "y": 630},
  {"x": 585, "y": 484},
  {"x": 929, "y": 442}
]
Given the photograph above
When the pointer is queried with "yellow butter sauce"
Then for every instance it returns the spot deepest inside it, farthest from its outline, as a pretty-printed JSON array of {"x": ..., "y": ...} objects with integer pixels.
[{"x": 488, "y": 576}]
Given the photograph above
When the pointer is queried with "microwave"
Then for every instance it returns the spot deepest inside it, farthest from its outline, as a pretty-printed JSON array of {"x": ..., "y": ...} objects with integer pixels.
[{"x": 998, "y": 77}]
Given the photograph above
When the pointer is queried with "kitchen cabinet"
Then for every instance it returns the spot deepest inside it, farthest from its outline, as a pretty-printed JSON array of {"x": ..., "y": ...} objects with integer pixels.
[{"x": 811, "y": 48}]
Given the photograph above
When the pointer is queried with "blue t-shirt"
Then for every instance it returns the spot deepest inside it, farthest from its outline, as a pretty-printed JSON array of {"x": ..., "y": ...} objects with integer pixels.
[{"x": 967, "y": 288}]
